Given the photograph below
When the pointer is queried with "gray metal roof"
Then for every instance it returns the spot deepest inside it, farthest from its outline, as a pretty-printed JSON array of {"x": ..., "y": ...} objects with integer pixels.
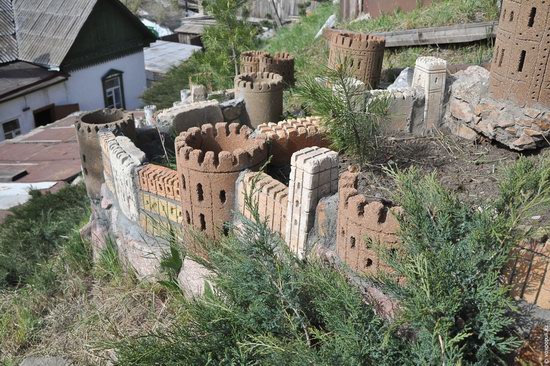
[
  {"x": 8, "y": 44},
  {"x": 46, "y": 29}
]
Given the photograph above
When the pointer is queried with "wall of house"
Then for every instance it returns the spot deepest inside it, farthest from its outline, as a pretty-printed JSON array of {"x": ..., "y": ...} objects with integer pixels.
[
  {"x": 15, "y": 108},
  {"x": 85, "y": 87}
]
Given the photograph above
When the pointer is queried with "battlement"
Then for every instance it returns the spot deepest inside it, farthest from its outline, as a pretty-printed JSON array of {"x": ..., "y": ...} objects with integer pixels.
[
  {"x": 259, "y": 82},
  {"x": 88, "y": 128},
  {"x": 220, "y": 149},
  {"x": 115, "y": 120},
  {"x": 359, "y": 219},
  {"x": 250, "y": 61},
  {"x": 159, "y": 180},
  {"x": 288, "y": 137},
  {"x": 281, "y": 63},
  {"x": 362, "y": 53},
  {"x": 357, "y": 41}
]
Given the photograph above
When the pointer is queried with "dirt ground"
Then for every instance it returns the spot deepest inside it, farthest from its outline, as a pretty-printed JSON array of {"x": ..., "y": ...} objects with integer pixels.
[{"x": 471, "y": 169}]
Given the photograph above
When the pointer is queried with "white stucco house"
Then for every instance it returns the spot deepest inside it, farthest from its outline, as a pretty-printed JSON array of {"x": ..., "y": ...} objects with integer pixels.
[{"x": 61, "y": 56}]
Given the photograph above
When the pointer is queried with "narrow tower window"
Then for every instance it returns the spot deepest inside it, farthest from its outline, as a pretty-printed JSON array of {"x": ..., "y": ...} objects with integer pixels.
[
  {"x": 511, "y": 16},
  {"x": 203, "y": 222},
  {"x": 501, "y": 57},
  {"x": 532, "y": 17},
  {"x": 200, "y": 193},
  {"x": 222, "y": 197},
  {"x": 521, "y": 61}
]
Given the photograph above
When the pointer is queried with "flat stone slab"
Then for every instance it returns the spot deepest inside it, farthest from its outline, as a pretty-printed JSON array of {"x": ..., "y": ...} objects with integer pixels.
[{"x": 46, "y": 361}]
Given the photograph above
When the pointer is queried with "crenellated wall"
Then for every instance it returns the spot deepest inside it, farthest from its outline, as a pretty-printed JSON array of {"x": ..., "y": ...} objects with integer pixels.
[
  {"x": 359, "y": 223},
  {"x": 290, "y": 136},
  {"x": 209, "y": 161}
]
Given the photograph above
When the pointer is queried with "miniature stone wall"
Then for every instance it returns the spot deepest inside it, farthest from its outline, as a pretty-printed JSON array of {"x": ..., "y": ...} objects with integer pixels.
[
  {"x": 360, "y": 220},
  {"x": 87, "y": 130},
  {"x": 271, "y": 197},
  {"x": 314, "y": 175},
  {"x": 263, "y": 96},
  {"x": 362, "y": 53},
  {"x": 290, "y": 136},
  {"x": 120, "y": 160},
  {"x": 520, "y": 59},
  {"x": 430, "y": 75},
  {"x": 160, "y": 209},
  {"x": 528, "y": 274},
  {"x": 209, "y": 162}
]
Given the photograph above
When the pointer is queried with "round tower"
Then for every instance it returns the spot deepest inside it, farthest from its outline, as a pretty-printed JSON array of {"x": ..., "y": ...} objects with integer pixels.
[
  {"x": 250, "y": 61},
  {"x": 263, "y": 96},
  {"x": 520, "y": 58},
  {"x": 281, "y": 63},
  {"x": 209, "y": 161},
  {"x": 87, "y": 128},
  {"x": 362, "y": 53}
]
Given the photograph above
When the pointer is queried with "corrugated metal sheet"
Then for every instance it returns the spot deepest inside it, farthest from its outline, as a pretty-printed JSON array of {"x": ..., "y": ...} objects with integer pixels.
[
  {"x": 46, "y": 29},
  {"x": 8, "y": 45}
]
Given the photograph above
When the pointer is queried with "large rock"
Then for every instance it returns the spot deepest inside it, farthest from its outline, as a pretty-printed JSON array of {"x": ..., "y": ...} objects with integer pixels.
[
  {"x": 183, "y": 117},
  {"x": 471, "y": 109},
  {"x": 193, "y": 277}
]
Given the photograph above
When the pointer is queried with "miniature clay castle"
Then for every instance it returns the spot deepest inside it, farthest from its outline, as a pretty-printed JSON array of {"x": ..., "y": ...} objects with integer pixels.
[{"x": 519, "y": 70}]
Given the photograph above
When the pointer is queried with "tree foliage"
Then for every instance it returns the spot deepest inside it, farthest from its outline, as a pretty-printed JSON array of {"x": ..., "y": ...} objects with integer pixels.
[
  {"x": 217, "y": 64},
  {"x": 351, "y": 114}
]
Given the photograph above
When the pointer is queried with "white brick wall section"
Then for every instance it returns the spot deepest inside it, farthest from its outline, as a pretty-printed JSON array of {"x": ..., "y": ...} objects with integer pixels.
[
  {"x": 125, "y": 158},
  {"x": 314, "y": 175},
  {"x": 430, "y": 74}
]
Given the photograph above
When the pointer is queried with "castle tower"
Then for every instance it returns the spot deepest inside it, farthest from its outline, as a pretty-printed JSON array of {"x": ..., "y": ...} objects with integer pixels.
[
  {"x": 250, "y": 61},
  {"x": 281, "y": 63},
  {"x": 519, "y": 70},
  {"x": 363, "y": 54},
  {"x": 87, "y": 130},
  {"x": 209, "y": 161},
  {"x": 263, "y": 96}
]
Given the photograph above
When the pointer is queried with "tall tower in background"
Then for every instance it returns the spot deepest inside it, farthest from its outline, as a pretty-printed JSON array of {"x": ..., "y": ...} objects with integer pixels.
[{"x": 519, "y": 70}]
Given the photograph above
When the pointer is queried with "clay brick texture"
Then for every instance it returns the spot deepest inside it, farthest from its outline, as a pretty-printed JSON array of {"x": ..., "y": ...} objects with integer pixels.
[
  {"x": 362, "y": 53},
  {"x": 271, "y": 197},
  {"x": 288, "y": 137},
  {"x": 159, "y": 200},
  {"x": 359, "y": 223},
  {"x": 520, "y": 58},
  {"x": 209, "y": 161},
  {"x": 527, "y": 274},
  {"x": 313, "y": 175}
]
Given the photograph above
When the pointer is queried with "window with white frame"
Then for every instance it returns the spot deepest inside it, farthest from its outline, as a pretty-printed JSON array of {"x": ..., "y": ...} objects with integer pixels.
[
  {"x": 11, "y": 129},
  {"x": 113, "y": 89}
]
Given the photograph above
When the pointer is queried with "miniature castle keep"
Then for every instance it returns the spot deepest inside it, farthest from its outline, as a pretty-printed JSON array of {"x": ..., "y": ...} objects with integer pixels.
[
  {"x": 209, "y": 161},
  {"x": 90, "y": 152},
  {"x": 362, "y": 53},
  {"x": 281, "y": 63},
  {"x": 263, "y": 96},
  {"x": 520, "y": 62}
]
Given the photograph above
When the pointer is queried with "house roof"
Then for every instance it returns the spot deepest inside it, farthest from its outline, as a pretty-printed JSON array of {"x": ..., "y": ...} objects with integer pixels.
[
  {"x": 44, "y": 31},
  {"x": 22, "y": 77},
  {"x": 195, "y": 24},
  {"x": 8, "y": 44},
  {"x": 161, "y": 56}
]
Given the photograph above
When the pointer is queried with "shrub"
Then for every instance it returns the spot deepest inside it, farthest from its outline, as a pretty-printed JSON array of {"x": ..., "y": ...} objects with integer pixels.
[{"x": 32, "y": 233}]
